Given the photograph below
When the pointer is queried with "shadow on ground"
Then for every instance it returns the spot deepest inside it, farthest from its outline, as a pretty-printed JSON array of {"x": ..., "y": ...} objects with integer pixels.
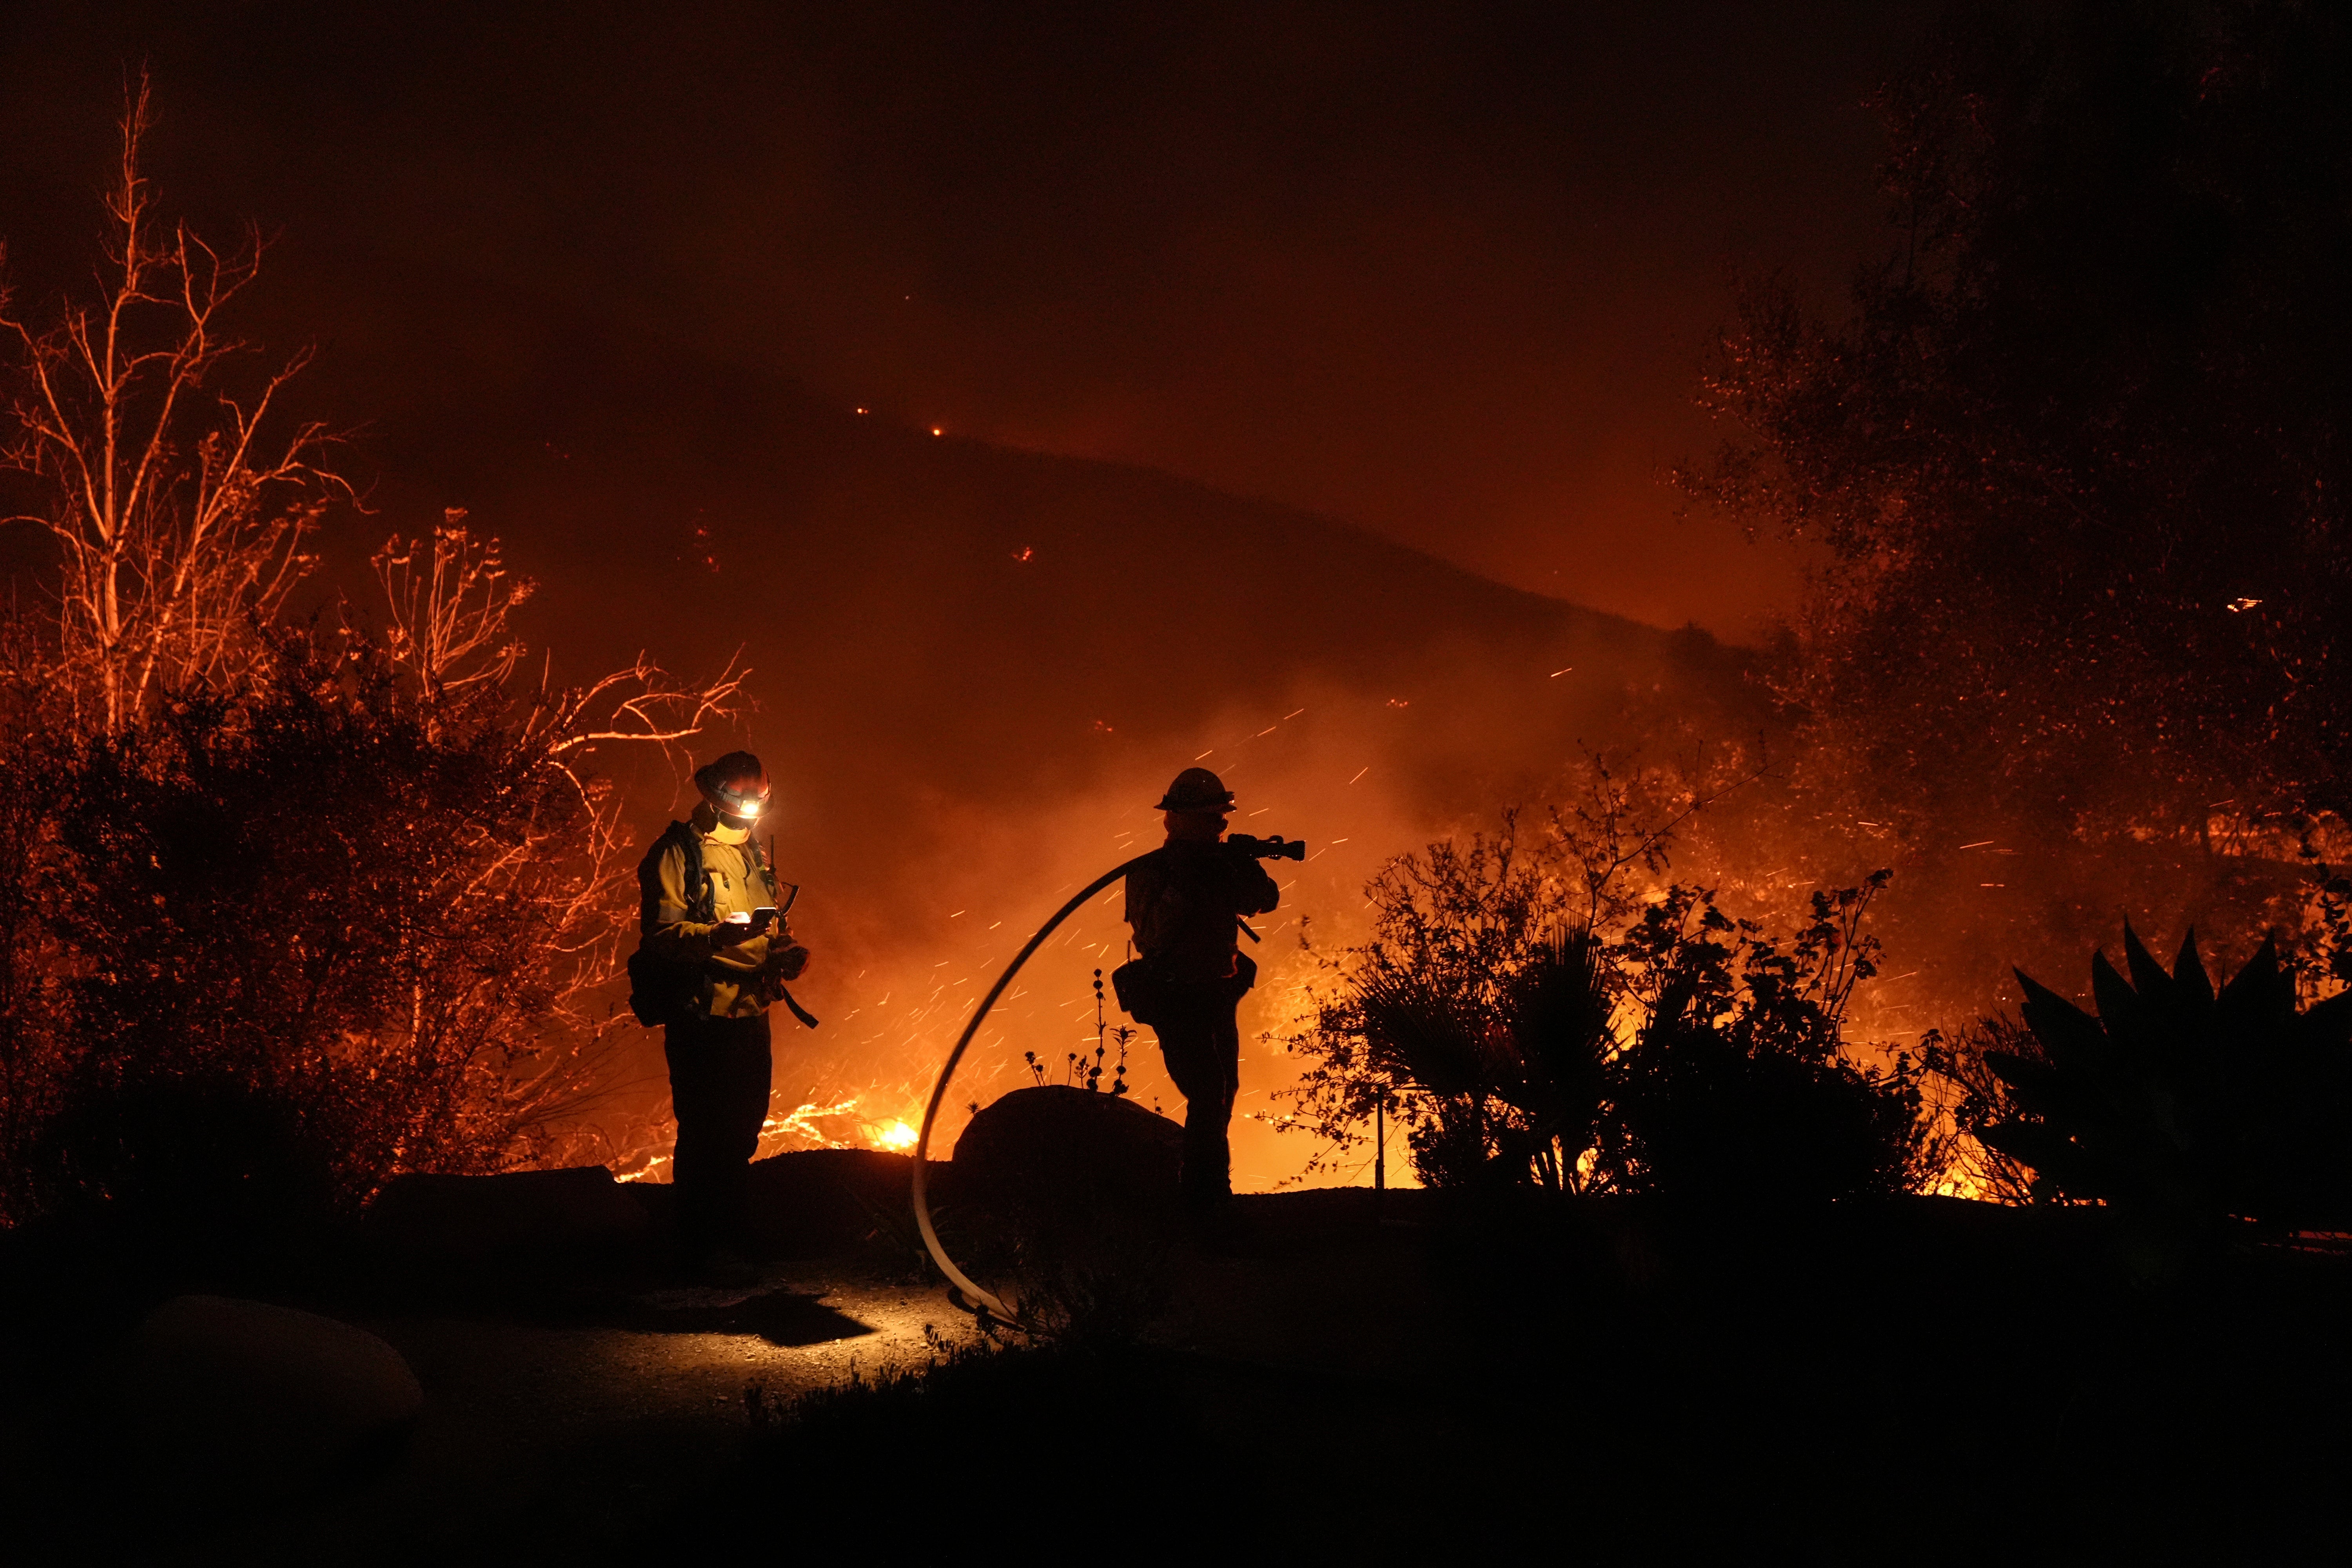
[{"x": 781, "y": 1317}]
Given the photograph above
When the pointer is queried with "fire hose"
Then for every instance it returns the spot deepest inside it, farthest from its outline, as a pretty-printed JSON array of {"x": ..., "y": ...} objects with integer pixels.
[{"x": 974, "y": 1296}]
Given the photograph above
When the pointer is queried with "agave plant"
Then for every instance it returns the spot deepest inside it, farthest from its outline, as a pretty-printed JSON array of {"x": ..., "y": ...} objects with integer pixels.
[{"x": 2191, "y": 1107}]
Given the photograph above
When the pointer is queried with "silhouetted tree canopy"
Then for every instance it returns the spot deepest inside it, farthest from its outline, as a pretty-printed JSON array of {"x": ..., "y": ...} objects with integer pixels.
[{"x": 2077, "y": 456}]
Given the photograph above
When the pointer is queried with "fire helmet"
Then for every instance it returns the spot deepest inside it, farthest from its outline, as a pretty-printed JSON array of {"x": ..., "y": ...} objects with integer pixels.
[
  {"x": 1197, "y": 789},
  {"x": 735, "y": 785}
]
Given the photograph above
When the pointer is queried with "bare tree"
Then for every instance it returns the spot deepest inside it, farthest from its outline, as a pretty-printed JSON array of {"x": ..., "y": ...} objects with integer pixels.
[
  {"x": 369, "y": 887},
  {"x": 569, "y": 875},
  {"x": 447, "y": 602},
  {"x": 180, "y": 503}
]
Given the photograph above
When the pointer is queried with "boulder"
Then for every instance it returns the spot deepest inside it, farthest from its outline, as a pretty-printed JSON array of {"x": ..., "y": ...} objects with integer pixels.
[
  {"x": 519, "y": 1215},
  {"x": 1058, "y": 1146},
  {"x": 245, "y": 1402}
]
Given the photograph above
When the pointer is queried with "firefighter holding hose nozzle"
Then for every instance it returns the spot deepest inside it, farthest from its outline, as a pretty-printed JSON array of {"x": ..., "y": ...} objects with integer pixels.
[
  {"x": 714, "y": 952},
  {"x": 1185, "y": 900}
]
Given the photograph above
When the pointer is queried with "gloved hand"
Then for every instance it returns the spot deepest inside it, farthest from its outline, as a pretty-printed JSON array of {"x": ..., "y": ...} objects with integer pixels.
[
  {"x": 732, "y": 932},
  {"x": 783, "y": 965}
]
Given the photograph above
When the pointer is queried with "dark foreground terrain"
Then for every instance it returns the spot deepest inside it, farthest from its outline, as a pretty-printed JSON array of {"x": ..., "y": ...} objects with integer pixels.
[
  {"x": 1929, "y": 1381},
  {"x": 1932, "y": 1381}
]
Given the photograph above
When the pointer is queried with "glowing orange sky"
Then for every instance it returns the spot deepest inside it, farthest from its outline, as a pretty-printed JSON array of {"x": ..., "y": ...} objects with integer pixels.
[
  {"x": 1440, "y": 269},
  {"x": 1444, "y": 272}
]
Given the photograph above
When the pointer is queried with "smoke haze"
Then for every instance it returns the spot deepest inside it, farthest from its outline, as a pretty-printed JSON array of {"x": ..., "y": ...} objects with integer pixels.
[
  {"x": 1432, "y": 281},
  {"x": 1442, "y": 271},
  {"x": 978, "y": 669}
]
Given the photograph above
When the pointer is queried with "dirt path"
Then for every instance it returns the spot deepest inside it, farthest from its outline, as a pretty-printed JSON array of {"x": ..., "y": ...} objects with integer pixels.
[
  {"x": 547, "y": 1443},
  {"x": 544, "y": 1443},
  {"x": 561, "y": 1431}
]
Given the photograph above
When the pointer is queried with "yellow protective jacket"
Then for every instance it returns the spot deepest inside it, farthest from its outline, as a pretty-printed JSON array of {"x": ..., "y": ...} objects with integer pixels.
[{"x": 740, "y": 883}]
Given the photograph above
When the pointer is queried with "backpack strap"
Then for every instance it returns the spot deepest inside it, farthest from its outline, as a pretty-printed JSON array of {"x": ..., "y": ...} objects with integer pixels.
[{"x": 700, "y": 903}]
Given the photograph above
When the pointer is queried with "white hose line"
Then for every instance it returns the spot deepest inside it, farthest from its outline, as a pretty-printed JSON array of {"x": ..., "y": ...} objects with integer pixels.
[{"x": 956, "y": 1277}]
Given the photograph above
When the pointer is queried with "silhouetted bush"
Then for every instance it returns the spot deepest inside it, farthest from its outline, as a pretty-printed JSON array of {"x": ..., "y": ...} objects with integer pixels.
[
  {"x": 1486, "y": 1017},
  {"x": 1515, "y": 1079},
  {"x": 1703, "y": 1109},
  {"x": 2190, "y": 1109},
  {"x": 301, "y": 951},
  {"x": 1738, "y": 1081},
  {"x": 184, "y": 1164}
]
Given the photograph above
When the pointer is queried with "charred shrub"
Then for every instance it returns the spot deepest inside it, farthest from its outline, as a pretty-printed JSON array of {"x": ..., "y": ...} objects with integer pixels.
[{"x": 192, "y": 1168}]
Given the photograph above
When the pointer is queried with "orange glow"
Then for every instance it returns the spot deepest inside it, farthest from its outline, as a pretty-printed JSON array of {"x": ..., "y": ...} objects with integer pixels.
[
  {"x": 814, "y": 1124},
  {"x": 906, "y": 986},
  {"x": 651, "y": 1169}
]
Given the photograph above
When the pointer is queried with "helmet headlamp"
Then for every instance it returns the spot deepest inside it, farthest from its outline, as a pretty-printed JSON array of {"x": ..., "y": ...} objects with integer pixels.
[{"x": 735, "y": 785}]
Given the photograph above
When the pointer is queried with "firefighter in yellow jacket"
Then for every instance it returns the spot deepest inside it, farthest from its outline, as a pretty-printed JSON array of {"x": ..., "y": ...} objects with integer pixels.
[{"x": 714, "y": 951}]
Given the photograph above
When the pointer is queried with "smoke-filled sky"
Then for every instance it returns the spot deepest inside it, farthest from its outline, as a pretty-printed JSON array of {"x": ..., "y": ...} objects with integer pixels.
[
  {"x": 672, "y": 300},
  {"x": 1445, "y": 271}
]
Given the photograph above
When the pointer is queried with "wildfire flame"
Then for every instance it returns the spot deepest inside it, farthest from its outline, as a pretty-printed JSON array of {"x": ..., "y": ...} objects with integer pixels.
[
  {"x": 800, "y": 1129},
  {"x": 812, "y": 1125}
]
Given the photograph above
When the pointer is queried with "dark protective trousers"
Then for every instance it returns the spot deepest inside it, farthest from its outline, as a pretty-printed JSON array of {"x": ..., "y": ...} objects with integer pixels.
[
  {"x": 1202, "y": 1042},
  {"x": 718, "y": 1073}
]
